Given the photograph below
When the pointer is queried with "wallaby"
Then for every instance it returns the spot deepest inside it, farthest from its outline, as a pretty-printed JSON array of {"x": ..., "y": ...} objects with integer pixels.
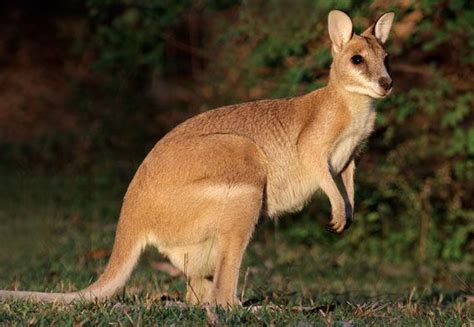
[{"x": 199, "y": 193}]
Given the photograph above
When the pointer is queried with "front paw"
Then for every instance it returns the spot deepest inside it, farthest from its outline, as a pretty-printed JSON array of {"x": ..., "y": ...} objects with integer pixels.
[
  {"x": 341, "y": 220},
  {"x": 338, "y": 223}
]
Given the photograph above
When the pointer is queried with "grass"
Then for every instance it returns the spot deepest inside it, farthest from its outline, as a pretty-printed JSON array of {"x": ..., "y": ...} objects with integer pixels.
[{"x": 56, "y": 232}]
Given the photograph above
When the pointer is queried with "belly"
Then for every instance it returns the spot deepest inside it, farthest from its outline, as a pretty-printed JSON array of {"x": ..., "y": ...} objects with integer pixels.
[{"x": 289, "y": 191}]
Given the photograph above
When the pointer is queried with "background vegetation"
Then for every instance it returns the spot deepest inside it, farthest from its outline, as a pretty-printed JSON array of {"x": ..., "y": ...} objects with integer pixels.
[{"x": 89, "y": 86}]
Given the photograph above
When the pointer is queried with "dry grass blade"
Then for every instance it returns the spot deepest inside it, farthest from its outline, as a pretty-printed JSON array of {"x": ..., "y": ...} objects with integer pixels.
[
  {"x": 368, "y": 309},
  {"x": 305, "y": 309}
]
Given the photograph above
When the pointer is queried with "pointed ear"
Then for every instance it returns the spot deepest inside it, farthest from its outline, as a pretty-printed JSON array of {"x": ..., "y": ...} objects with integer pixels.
[
  {"x": 381, "y": 28},
  {"x": 340, "y": 29}
]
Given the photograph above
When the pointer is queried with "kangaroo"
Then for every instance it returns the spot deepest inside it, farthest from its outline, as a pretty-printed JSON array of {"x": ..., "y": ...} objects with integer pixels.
[{"x": 200, "y": 191}]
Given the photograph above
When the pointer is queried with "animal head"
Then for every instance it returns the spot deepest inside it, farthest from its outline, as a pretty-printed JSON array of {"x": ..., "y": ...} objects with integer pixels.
[{"x": 360, "y": 63}]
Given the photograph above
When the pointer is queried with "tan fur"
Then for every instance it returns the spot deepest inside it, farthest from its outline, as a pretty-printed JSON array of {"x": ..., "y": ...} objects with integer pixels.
[{"x": 199, "y": 193}]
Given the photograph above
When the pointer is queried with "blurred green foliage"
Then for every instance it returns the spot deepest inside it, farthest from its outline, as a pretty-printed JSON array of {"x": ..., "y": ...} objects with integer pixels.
[
  {"x": 415, "y": 182},
  {"x": 130, "y": 34}
]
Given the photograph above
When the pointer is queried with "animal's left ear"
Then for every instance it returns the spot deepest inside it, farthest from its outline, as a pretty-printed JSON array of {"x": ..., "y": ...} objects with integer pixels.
[{"x": 381, "y": 28}]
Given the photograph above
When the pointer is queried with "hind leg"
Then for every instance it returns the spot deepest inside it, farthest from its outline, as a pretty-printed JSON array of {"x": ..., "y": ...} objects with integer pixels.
[
  {"x": 207, "y": 214},
  {"x": 232, "y": 244},
  {"x": 221, "y": 255},
  {"x": 227, "y": 272},
  {"x": 229, "y": 225}
]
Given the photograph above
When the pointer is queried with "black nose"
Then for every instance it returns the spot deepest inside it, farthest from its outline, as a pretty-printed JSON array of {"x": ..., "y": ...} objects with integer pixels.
[{"x": 385, "y": 83}]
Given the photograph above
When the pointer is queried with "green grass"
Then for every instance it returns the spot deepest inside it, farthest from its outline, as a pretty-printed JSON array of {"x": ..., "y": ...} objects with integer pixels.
[{"x": 56, "y": 230}]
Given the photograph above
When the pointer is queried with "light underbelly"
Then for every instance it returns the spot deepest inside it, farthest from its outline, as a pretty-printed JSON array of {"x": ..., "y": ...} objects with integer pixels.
[{"x": 290, "y": 192}]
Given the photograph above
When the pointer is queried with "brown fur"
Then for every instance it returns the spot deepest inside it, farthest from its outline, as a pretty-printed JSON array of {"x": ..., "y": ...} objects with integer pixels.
[{"x": 199, "y": 193}]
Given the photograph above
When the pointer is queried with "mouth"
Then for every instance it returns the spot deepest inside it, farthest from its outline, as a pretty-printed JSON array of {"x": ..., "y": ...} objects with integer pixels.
[
  {"x": 382, "y": 93},
  {"x": 372, "y": 91}
]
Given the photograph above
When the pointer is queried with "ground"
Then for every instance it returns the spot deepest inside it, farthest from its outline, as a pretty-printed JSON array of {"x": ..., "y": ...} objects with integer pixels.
[{"x": 56, "y": 232}]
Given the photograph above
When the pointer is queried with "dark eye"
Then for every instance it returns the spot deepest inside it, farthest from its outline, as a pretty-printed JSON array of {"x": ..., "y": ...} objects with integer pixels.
[{"x": 357, "y": 59}]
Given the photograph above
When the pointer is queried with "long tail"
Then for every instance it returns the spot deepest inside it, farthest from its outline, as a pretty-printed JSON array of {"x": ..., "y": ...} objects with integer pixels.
[{"x": 125, "y": 255}]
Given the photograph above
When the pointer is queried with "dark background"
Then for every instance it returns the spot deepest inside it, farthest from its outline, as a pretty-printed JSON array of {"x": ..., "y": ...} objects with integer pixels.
[{"x": 88, "y": 87}]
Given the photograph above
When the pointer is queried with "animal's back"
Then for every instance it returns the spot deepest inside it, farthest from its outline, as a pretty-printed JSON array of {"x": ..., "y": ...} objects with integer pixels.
[{"x": 264, "y": 122}]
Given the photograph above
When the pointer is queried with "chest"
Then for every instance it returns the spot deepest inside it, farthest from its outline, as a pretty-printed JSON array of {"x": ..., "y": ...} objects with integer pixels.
[{"x": 358, "y": 129}]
